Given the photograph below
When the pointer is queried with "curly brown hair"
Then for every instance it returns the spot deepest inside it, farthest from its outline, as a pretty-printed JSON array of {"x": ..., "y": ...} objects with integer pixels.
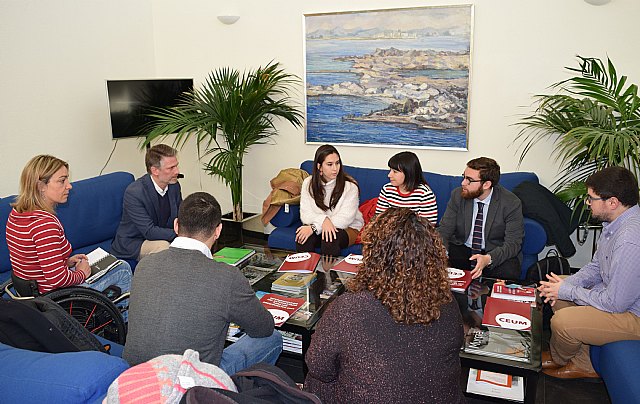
[{"x": 405, "y": 266}]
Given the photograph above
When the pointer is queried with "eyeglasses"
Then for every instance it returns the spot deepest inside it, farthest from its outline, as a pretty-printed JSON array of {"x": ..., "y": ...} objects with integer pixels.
[
  {"x": 593, "y": 198},
  {"x": 469, "y": 179}
]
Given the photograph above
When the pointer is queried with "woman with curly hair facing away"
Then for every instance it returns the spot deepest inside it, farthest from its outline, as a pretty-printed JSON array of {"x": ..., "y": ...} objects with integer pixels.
[
  {"x": 328, "y": 206},
  {"x": 396, "y": 334}
]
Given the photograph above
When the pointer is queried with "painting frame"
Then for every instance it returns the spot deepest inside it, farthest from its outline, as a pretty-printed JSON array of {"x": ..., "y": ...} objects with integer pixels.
[{"x": 397, "y": 77}]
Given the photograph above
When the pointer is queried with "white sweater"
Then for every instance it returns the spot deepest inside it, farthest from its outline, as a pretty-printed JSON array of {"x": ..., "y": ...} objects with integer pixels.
[{"x": 345, "y": 214}]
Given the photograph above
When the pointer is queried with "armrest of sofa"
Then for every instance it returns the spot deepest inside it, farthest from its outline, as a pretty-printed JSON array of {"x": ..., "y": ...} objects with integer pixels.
[
  {"x": 70, "y": 377},
  {"x": 535, "y": 238},
  {"x": 287, "y": 219},
  {"x": 618, "y": 363}
]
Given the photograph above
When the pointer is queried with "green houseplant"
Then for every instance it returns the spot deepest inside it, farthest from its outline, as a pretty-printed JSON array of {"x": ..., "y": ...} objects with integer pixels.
[
  {"x": 593, "y": 120},
  {"x": 230, "y": 113}
]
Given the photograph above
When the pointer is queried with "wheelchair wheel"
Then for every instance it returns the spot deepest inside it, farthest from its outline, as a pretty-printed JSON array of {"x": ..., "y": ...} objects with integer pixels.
[{"x": 93, "y": 310}]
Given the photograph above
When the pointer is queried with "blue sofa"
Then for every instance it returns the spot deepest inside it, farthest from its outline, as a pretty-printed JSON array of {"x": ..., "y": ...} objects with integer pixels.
[
  {"x": 371, "y": 181},
  {"x": 90, "y": 217},
  {"x": 71, "y": 377},
  {"x": 617, "y": 364}
]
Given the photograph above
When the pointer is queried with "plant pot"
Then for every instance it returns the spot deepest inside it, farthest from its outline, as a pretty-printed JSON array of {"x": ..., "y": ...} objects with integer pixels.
[{"x": 231, "y": 235}]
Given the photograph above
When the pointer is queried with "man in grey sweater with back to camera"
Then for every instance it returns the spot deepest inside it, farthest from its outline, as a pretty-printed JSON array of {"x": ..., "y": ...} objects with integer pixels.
[{"x": 182, "y": 299}]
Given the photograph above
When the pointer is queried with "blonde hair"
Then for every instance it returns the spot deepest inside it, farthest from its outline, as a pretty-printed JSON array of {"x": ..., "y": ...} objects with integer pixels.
[{"x": 38, "y": 170}]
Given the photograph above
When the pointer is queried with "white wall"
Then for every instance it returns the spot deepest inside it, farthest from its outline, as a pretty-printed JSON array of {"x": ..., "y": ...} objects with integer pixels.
[
  {"x": 55, "y": 55},
  {"x": 54, "y": 59}
]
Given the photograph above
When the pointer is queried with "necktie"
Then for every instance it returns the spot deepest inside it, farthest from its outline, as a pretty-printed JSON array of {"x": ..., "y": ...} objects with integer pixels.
[{"x": 476, "y": 241}]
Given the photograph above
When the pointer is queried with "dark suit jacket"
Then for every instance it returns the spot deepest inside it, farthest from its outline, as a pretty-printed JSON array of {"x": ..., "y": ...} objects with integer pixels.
[
  {"x": 504, "y": 228},
  {"x": 141, "y": 218}
]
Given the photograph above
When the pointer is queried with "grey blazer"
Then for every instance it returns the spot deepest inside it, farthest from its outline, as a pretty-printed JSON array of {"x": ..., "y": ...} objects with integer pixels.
[
  {"x": 504, "y": 225},
  {"x": 141, "y": 217}
]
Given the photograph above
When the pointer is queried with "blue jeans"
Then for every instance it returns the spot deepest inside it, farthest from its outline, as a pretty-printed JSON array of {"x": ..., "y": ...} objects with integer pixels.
[
  {"x": 248, "y": 351},
  {"x": 119, "y": 276}
]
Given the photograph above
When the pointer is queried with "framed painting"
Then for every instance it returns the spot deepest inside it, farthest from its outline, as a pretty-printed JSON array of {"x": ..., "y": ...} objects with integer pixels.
[{"x": 389, "y": 78}]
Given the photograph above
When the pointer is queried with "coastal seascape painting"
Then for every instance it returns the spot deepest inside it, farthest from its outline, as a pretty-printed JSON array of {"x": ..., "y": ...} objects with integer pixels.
[{"x": 389, "y": 78}]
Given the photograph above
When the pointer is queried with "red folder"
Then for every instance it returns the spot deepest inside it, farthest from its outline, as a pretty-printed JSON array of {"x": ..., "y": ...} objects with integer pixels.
[
  {"x": 459, "y": 279},
  {"x": 507, "y": 314},
  {"x": 281, "y": 307},
  {"x": 304, "y": 263}
]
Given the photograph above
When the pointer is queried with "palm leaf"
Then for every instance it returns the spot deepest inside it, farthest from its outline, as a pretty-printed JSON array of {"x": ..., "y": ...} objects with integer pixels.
[
  {"x": 231, "y": 112},
  {"x": 594, "y": 121}
]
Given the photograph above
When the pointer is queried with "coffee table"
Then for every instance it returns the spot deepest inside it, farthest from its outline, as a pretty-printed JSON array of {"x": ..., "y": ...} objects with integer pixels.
[
  {"x": 327, "y": 286},
  {"x": 478, "y": 291}
]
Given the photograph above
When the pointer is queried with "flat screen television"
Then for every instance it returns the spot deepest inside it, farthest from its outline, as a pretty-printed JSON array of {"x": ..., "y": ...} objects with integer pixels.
[{"x": 131, "y": 100}]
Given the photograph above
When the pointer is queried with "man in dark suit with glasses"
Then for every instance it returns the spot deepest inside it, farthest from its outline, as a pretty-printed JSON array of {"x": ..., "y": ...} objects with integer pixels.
[{"x": 483, "y": 226}]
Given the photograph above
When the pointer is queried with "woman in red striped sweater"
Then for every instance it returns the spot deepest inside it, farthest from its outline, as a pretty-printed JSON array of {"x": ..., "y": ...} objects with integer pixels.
[
  {"x": 407, "y": 188},
  {"x": 38, "y": 248}
]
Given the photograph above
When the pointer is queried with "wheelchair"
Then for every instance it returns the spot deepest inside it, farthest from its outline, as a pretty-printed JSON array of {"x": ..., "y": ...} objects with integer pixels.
[{"x": 91, "y": 308}]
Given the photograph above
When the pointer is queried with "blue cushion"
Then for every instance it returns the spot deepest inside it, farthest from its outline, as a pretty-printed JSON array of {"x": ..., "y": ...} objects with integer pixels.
[
  {"x": 287, "y": 219},
  {"x": 73, "y": 377},
  {"x": 94, "y": 208},
  {"x": 5, "y": 264},
  {"x": 617, "y": 364}
]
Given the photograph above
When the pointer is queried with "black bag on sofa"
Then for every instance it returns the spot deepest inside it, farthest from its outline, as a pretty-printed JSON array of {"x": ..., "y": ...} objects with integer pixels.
[
  {"x": 259, "y": 384},
  {"x": 39, "y": 324},
  {"x": 553, "y": 262}
]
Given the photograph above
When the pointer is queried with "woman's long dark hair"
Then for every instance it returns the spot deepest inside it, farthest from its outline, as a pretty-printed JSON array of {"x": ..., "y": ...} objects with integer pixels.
[
  {"x": 408, "y": 164},
  {"x": 316, "y": 187}
]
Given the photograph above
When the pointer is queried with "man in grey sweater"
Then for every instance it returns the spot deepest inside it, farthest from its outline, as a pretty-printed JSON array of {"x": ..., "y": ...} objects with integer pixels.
[{"x": 181, "y": 299}]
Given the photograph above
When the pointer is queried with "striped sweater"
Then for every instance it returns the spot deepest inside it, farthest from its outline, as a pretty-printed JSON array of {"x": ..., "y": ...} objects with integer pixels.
[
  {"x": 421, "y": 200},
  {"x": 39, "y": 250}
]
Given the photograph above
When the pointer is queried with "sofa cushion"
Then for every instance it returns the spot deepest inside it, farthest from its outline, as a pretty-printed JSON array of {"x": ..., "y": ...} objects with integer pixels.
[
  {"x": 72, "y": 377},
  {"x": 5, "y": 263},
  {"x": 617, "y": 364},
  {"x": 92, "y": 213}
]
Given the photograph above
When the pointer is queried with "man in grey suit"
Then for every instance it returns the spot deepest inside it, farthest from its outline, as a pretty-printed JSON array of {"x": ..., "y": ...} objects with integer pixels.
[
  {"x": 182, "y": 299},
  {"x": 483, "y": 227},
  {"x": 150, "y": 206}
]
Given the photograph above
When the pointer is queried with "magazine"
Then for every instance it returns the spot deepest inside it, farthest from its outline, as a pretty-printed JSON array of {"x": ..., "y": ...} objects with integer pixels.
[
  {"x": 281, "y": 307},
  {"x": 293, "y": 282},
  {"x": 254, "y": 274},
  {"x": 510, "y": 346},
  {"x": 495, "y": 385},
  {"x": 514, "y": 292}
]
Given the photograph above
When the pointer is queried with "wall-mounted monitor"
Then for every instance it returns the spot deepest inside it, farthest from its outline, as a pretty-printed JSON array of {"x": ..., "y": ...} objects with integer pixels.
[{"x": 130, "y": 102}]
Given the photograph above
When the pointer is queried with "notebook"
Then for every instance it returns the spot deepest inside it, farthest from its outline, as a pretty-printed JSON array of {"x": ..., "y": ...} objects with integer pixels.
[
  {"x": 101, "y": 262},
  {"x": 233, "y": 256}
]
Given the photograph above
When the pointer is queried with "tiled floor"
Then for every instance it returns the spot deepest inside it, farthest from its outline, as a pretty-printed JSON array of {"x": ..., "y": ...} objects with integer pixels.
[{"x": 550, "y": 390}]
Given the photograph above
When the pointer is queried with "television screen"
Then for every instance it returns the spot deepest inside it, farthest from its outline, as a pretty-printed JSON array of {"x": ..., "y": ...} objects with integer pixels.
[{"x": 131, "y": 100}]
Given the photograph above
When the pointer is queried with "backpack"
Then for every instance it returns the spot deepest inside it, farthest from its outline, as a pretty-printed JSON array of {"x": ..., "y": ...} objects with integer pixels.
[
  {"x": 39, "y": 324},
  {"x": 553, "y": 262},
  {"x": 259, "y": 384}
]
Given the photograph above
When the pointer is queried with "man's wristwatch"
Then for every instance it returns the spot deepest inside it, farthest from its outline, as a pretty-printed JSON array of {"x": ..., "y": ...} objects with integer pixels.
[
  {"x": 313, "y": 227},
  {"x": 490, "y": 260}
]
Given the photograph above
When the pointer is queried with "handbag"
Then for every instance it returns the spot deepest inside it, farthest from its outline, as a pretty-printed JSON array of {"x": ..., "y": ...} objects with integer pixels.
[{"x": 553, "y": 262}]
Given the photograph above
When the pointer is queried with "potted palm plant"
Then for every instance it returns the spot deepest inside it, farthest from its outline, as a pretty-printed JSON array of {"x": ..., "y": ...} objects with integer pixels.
[
  {"x": 230, "y": 113},
  {"x": 594, "y": 121}
]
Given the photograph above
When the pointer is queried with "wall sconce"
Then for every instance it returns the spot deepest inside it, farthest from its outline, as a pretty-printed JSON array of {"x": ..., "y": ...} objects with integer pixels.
[
  {"x": 597, "y": 2},
  {"x": 228, "y": 19}
]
